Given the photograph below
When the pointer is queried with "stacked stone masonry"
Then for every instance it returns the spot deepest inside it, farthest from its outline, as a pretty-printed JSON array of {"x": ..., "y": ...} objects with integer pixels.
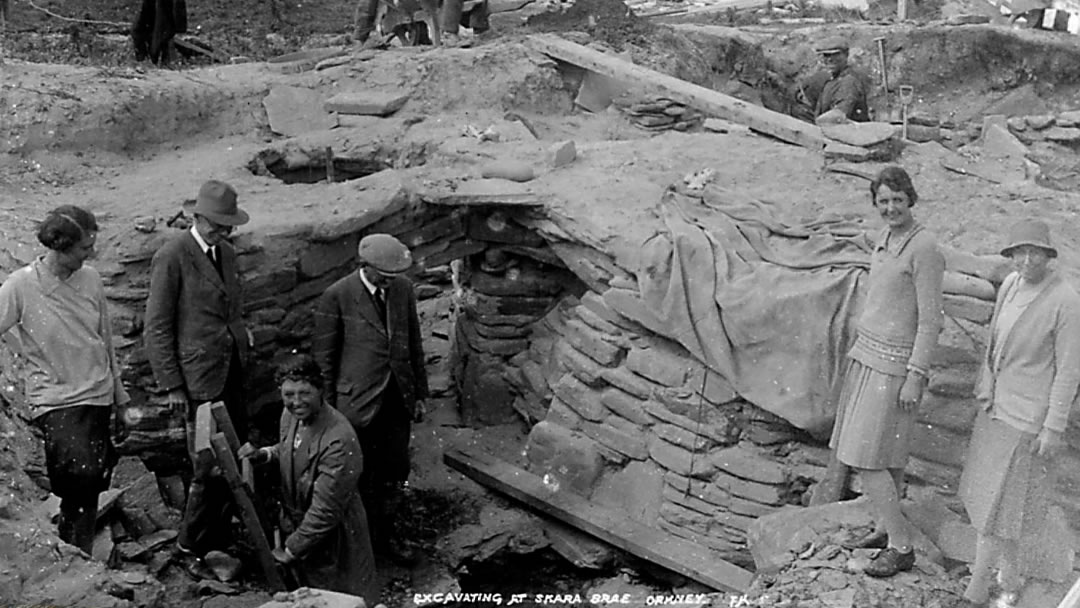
[
  {"x": 508, "y": 277},
  {"x": 624, "y": 395}
]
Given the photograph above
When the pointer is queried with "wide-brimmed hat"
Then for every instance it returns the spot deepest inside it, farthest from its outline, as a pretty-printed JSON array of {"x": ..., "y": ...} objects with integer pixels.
[
  {"x": 831, "y": 45},
  {"x": 385, "y": 254},
  {"x": 217, "y": 203},
  {"x": 1029, "y": 232}
]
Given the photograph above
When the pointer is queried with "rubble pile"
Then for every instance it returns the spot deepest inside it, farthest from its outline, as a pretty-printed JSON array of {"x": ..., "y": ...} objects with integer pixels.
[
  {"x": 661, "y": 114},
  {"x": 802, "y": 563}
]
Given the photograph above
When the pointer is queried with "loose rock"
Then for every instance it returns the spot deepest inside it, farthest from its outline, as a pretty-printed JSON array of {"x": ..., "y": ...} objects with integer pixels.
[{"x": 563, "y": 153}]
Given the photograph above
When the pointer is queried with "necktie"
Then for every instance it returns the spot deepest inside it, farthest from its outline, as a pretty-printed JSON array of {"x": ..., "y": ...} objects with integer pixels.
[
  {"x": 380, "y": 303},
  {"x": 211, "y": 253}
]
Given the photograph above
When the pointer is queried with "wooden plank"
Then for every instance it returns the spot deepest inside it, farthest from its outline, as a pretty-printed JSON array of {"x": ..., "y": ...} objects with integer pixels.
[
  {"x": 679, "y": 555},
  {"x": 719, "y": 7},
  {"x": 713, "y": 103},
  {"x": 225, "y": 426},
  {"x": 204, "y": 431},
  {"x": 249, "y": 513}
]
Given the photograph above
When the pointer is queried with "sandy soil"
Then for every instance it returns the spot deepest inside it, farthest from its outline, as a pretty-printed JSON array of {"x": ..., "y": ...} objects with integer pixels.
[{"x": 128, "y": 141}]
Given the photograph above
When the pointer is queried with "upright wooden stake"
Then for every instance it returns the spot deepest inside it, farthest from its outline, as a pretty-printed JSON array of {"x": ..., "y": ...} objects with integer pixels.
[
  {"x": 249, "y": 513},
  {"x": 223, "y": 423},
  {"x": 901, "y": 10},
  {"x": 329, "y": 165}
]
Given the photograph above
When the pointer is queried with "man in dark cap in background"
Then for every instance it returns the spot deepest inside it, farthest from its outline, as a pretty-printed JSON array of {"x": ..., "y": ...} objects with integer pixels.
[
  {"x": 368, "y": 344},
  {"x": 198, "y": 344},
  {"x": 838, "y": 93}
]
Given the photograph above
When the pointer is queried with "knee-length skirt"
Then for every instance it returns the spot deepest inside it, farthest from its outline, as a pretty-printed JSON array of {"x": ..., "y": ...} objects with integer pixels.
[{"x": 871, "y": 431}]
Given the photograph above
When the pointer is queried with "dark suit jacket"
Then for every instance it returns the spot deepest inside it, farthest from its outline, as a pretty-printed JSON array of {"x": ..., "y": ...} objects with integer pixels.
[
  {"x": 358, "y": 354},
  {"x": 193, "y": 318},
  {"x": 324, "y": 519}
]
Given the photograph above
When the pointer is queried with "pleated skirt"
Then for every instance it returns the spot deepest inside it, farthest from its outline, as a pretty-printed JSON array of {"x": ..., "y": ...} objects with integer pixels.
[{"x": 871, "y": 431}]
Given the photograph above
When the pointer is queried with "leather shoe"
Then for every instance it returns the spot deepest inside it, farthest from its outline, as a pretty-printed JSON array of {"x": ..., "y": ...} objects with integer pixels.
[
  {"x": 871, "y": 540},
  {"x": 889, "y": 561},
  {"x": 192, "y": 564}
]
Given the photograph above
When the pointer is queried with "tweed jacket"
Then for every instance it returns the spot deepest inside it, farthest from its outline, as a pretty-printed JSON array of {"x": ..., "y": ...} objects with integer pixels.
[
  {"x": 359, "y": 354},
  {"x": 323, "y": 516},
  {"x": 193, "y": 318},
  {"x": 1035, "y": 380}
]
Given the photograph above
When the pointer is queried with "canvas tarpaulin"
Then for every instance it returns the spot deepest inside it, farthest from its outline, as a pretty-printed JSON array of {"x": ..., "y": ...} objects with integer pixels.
[{"x": 769, "y": 305}]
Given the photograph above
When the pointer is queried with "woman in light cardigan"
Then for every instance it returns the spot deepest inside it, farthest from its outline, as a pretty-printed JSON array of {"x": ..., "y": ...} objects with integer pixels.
[{"x": 1028, "y": 382}]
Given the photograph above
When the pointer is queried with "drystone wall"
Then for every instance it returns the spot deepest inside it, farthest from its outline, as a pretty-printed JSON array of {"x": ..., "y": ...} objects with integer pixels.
[
  {"x": 502, "y": 290},
  {"x": 619, "y": 414},
  {"x": 629, "y": 418}
]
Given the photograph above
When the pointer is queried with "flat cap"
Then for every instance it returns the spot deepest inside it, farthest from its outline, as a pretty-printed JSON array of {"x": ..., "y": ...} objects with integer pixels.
[
  {"x": 385, "y": 254},
  {"x": 832, "y": 44}
]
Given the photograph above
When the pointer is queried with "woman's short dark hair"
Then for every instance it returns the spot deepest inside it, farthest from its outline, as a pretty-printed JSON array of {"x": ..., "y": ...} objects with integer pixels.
[
  {"x": 897, "y": 179},
  {"x": 66, "y": 226},
  {"x": 299, "y": 368}
]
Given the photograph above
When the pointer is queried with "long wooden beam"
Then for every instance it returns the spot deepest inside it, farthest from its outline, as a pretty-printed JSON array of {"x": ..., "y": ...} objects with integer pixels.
[
  {"x": 713, "y": 103},
  {"x": 679, "y": 555}
]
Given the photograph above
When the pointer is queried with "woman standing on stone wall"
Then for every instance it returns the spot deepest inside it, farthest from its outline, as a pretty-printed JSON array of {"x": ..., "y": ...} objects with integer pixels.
[
  {"x": 1029, "y": 378},
  {"x": 888, "y": 365},
  {"x": 56, "y": 310}
]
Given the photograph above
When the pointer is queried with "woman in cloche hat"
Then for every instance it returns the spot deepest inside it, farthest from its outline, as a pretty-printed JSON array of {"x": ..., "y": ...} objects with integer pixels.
[{"x": 1028, "y": 380}]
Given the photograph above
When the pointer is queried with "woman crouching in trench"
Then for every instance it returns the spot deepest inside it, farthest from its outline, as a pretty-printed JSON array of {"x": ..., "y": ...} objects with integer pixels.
[{"x": 327, "y": 544}]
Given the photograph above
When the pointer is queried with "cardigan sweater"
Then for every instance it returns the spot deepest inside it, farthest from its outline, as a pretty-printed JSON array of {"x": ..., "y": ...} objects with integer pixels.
[
  {"x": 1029, "y": 378},
  {"x": 902, "y": 314}
]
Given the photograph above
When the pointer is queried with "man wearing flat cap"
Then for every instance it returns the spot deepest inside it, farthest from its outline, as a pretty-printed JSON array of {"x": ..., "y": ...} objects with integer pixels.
[
  {"x": 368, "y": 344},
  {"x": 838, "y": 93},
  {"x": 197, "y": 345}
]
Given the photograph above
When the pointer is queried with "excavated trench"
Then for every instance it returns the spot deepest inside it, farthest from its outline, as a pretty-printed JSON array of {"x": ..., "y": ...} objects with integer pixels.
[{"x": 515, "y": 335}]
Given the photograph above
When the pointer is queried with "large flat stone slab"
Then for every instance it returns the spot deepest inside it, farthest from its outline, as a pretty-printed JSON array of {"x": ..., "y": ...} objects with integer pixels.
[
  {"x": 367, "y": 103},
  {"x": 861, "y": 134},
  {"x": 480, "y": 192},
  {"x": 296, "y": 110},
  {"x": 306, "y": 597}
]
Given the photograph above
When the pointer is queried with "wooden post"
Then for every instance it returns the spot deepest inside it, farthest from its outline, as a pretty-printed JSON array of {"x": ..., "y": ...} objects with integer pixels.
[
  {"x": 223, "y": 423},
  {"x": 249, "y": 513},
  {"x": 329, "y": 165},
  {"x": 1072, "y": 598},
  {"x": 901, "y": 10},
  {"x": 204, "y": 430}
]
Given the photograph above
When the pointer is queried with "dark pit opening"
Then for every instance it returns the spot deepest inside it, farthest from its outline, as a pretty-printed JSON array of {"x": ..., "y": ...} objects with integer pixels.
[
  {"x": 315, "y": 166},
  {"x": 344, "y": 170}
]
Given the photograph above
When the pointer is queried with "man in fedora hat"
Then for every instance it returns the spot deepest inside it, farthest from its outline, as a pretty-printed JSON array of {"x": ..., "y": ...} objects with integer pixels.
[
  {"x": 197, "y": 345},
  {"x": 368, "y": 344},
  {"x": 837, "y": 93}
]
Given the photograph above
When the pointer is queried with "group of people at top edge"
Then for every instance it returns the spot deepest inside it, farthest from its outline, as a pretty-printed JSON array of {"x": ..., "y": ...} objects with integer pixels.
[
  {"x": 1028, "y": 380},
  {"x": 343, "y": 439}
]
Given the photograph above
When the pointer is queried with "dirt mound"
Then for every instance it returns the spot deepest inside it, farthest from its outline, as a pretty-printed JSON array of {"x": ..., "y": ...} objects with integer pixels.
[{"x": 610, "y": 21}]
